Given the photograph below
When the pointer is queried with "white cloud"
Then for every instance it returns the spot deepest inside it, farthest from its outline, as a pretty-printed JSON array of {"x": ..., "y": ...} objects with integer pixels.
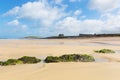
[
  {"x": 104, "y": 5},
  {"x": 112, "y": 23},
  {"x": 72, "y": 25},
  {"x": 16, "y": 23},
  {"x": 110, "y": 15},
  {"x": 58, "y": 1},
  {"x": 38, "y": 10},
  {"x": 14, "y": 11},
  {"x": 13, "y": 23},
  {"x": 78, "y": 12},
  {"x": 75, "y": 0}
]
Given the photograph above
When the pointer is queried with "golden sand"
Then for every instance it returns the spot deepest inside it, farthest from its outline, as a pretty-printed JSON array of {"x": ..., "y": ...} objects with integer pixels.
[{"x": 60, "y": 71}]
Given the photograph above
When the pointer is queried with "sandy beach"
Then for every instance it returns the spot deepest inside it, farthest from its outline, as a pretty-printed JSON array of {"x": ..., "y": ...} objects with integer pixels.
[{"x": 101, "y": 70}]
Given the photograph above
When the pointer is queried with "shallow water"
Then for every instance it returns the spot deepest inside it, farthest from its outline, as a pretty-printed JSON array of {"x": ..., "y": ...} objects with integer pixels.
[
  {"x": 117, "y": 51},
  {"x": 100, "y": 59},
  {"x": 104, "y": 43}
]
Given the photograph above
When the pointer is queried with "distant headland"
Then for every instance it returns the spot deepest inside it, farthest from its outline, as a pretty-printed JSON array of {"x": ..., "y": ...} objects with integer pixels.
[{"x": 62, "y": 36}]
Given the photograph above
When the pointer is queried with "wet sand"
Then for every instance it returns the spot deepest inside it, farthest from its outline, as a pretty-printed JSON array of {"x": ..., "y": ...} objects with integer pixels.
[{"x": 101, "y": 70}]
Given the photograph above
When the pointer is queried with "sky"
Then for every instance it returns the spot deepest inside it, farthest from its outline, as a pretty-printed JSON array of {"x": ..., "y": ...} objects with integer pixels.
[{"x": 20, "y": 18}]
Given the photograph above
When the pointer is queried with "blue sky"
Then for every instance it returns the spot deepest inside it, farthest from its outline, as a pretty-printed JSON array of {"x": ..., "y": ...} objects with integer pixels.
[{"x": 19, "y": 18}]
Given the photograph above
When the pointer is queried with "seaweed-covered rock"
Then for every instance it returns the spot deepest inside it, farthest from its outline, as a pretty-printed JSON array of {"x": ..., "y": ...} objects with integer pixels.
[
  {"x": 11, "y": 62},
  {"x": 70, "y": 58},
  {"x": 51, "y": 59},
  {"x": 29, "y": 60},
  {"x": 105, "y": 51}
]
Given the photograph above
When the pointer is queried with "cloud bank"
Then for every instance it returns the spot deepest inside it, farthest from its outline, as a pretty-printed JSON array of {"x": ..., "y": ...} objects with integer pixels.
[{"x": 53, "y": 18}]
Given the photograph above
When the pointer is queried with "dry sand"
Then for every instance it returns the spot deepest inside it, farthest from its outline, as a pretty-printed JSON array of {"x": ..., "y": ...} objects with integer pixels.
[{"x": 60, "y": 71}]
